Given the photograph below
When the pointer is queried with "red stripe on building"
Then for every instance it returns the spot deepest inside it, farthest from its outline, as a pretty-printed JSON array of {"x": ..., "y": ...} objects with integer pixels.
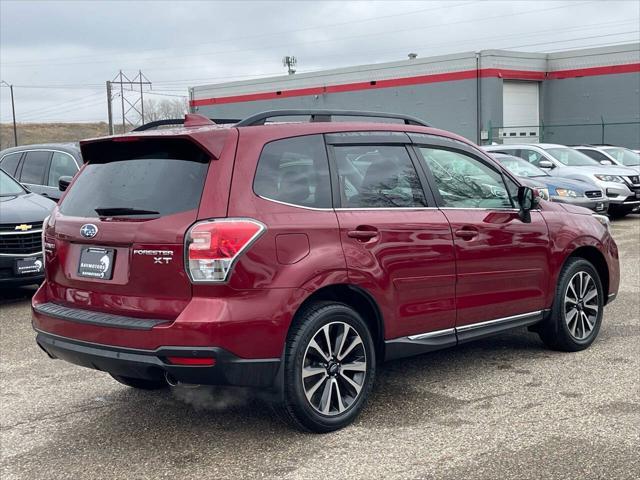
[
  {"x": 421, "y": 79},
  {"x": 589, "y": 72}
]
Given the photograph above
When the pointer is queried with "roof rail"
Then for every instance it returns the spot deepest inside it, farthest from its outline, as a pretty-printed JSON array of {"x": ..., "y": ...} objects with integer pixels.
[
  {"x": 179, "y": 121},
  {"x": 326, "y": 116}
]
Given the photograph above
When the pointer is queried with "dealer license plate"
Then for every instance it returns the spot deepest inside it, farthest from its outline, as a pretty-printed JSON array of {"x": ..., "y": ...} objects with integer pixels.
[
  {"x": 96, "y": 263},
  {"x": 28, "y": 266}
]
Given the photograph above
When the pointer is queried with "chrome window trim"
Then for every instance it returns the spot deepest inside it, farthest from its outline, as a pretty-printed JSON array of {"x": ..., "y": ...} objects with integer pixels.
[
  {"x": 43, "y": 150},
  {"x": 393, "y": 209},
  {"x": 21, "y": 233},
  {"x": 320, "y": 209},
  {"x": 75, "y": 162},
  {"x": 21, "y": 254},
  {"x": 344, "y": 208}
]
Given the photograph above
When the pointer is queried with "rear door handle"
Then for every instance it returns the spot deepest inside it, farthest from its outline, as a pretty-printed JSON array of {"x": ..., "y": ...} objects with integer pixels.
[
  {"x": 466, "y": 233},
  {"x": 362, "y": 235}
]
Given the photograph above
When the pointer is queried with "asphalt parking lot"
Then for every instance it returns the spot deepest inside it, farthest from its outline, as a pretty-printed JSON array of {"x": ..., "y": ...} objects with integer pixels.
[{"x": 499, "y": 408}]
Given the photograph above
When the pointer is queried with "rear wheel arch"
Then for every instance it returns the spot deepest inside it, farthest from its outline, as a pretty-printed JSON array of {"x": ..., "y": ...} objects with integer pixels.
[{"x": 358, "y": 299}]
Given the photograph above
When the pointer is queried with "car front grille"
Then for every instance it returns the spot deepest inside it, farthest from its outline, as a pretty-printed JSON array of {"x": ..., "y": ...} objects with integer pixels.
[
  {"x": 20, "y": 227},
  {"x": 17, "y": 239},
  {"x": 593, "y": 194},
  {"x": 634, "y": 179}
]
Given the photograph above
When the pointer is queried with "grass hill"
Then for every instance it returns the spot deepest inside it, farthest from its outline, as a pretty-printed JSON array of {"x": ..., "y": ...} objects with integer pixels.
[{"x": 30, "y": 133}]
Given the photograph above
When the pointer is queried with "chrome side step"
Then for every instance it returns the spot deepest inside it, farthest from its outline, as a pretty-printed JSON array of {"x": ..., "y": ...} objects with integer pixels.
[{"x": 439, "y": 339}]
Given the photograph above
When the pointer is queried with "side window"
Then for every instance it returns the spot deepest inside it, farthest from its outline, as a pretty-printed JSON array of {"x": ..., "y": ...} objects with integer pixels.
[
  {"x": 512, "y": 188},
  {"x": 62, "y": 165},
  {"x": 596, "y": 155},
  {"x": 10, "y": 163},
  {"x": 464, "y": 181},
  {"x": 378, "y": 177},
  {"x": 531, "y": 156},
  {"x": 34, "y": 166},
  {"x": 295, "y": 171}
]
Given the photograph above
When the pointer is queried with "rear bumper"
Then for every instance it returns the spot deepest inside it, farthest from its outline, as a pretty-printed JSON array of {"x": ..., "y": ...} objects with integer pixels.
[{"x": 154, "y": 365}]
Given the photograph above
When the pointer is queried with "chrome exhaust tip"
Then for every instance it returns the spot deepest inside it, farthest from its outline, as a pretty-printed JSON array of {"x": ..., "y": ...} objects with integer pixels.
[{"x": 170, "y": 379}]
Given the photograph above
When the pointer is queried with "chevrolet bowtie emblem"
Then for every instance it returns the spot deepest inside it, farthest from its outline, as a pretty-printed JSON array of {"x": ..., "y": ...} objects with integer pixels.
[{"x": 24, "y": 227}]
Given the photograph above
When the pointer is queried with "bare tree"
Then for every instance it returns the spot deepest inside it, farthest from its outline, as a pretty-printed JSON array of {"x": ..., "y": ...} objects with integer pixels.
[{"x": 164, "y": 109}]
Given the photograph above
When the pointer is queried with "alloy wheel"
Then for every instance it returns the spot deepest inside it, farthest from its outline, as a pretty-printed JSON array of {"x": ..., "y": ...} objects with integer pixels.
[
  {"x": 334, "y": 368},
  {"x": 581, "y": 305}
]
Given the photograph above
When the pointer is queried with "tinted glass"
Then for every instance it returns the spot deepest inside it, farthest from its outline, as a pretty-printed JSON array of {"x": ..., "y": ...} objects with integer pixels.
[
  {"x": 464, "y": 181},
  {"x": 596, "y": 155},
  {"x": 34, "y": 166},
  {"x": 61, "y": 165},
  {"x": 8, "y": 186},
  {"x": 571, "y": 157},
  {"x": 10, "y": 163},
  {"x": 295, "y": 171},
  {"x": 624, "y": 156},
  {"x": 153, "y": 184},
  {"x": 531, "y": 156},
  {"x": 521, "y": 168},
  {"x": 378, "y": 177}
]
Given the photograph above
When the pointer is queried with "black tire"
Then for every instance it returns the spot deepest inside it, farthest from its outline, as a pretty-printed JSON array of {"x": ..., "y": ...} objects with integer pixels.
[
  {"x": 140, "y": 383},
  {"x": 555, "y": 332},
  {"x": 296, "y": 409}
]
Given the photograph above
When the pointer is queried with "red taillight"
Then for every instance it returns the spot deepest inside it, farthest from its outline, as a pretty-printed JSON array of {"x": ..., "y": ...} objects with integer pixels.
[
  {"x": 192, "y": 361},
  {"x": 214, "y": 245}
]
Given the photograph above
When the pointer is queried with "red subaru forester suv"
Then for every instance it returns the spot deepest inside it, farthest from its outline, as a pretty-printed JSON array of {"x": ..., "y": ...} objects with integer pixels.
[{"x": 296, "y": 257}]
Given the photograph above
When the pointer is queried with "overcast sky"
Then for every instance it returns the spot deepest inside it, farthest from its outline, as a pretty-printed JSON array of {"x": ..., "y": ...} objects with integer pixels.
[{"x": 76, "y": 46}]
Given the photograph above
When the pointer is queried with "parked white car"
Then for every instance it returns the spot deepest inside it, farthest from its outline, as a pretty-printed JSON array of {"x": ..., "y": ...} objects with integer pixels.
[
  {"x": 616, "y": 155},
  {"x": 620, "y": 184}
]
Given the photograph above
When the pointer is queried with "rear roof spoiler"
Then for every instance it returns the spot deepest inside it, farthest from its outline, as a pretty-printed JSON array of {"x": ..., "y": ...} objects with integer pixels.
[{"x": 181, "y": 121}]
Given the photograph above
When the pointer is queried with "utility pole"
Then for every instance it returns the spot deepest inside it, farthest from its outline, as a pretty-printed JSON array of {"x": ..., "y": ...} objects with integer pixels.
[
  {"x": 122, "y": 102},
  {"x": 141, "y": 97},
  {"x": 132, "y": 110},
  {"x": 109, "y": 111},
  {"x": 13, "y": 111}
]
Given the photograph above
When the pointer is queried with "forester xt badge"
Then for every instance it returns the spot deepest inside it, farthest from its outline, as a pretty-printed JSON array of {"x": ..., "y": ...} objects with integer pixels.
[{"x": 159, "y": 256}]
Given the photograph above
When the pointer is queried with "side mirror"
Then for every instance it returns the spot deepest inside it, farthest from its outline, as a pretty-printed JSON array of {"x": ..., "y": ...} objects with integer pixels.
[
  {"x": 527, "y": 202},
  {"x": 545, "y": 164},
  {"x": 606, "y": 162},
  {"x": 63, "y": 182}
]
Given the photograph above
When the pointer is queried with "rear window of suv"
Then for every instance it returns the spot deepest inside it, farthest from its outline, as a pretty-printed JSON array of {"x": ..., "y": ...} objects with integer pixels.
[
  {"x": 138, "y": 177},
  {"x": 294, "y": 171}
]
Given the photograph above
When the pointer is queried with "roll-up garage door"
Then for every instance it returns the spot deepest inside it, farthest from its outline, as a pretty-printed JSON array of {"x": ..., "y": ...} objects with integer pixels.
[{"x": 520, "y": 112}]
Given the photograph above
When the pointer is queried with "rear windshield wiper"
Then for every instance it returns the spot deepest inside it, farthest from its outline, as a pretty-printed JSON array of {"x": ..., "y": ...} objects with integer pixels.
[{"x": 118, "y": 211}]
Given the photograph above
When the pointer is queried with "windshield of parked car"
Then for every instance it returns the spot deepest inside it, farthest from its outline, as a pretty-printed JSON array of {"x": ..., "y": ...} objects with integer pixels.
[
  {"x": 624, "y": 156},
  {"x": 519, "y": 167},
  {"x": 8, "y": 186},
  {"x": 571, "y": 157}
]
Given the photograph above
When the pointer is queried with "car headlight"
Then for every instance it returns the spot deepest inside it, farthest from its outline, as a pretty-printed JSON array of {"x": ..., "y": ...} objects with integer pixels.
[
  {"x": 565, "y": 192},
  {"x": 543, "y": 193},
  {"x": 609, "y": 178},
  {"x": 603, "y": 219}
]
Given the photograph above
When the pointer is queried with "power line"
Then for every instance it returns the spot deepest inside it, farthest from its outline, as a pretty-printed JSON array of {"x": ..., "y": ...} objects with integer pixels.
[
  {"x": 289, "y": 44},
  {"x": 235, "y": 39},
  {"x": 71, "y": 101}
]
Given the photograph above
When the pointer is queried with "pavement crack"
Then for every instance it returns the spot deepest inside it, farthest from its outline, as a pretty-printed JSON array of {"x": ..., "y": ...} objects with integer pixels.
[{"x": 53, "y": 417}]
